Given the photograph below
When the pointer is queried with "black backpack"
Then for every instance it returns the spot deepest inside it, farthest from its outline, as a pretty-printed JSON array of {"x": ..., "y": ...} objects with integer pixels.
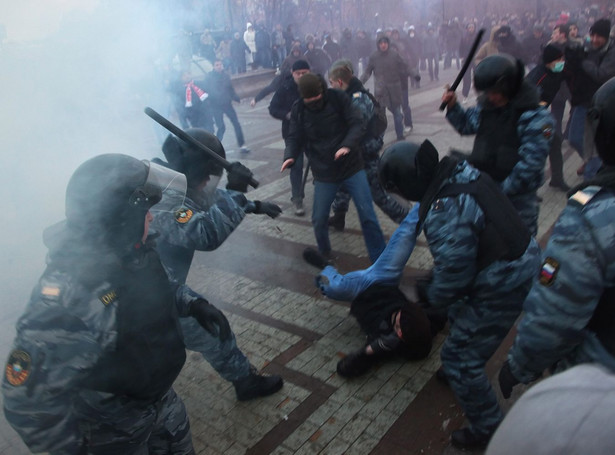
[{"x": 377, "y": 125}]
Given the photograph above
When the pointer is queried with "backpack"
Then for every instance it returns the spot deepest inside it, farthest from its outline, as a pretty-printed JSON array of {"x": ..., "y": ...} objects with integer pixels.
[{"x": 377, "y": 125}]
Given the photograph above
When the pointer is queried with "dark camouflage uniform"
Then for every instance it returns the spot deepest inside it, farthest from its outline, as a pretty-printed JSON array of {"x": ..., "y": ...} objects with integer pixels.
[
  {"x": 482, "y": 304},
  {"x": 371, "y": 146},
  {"x": 534, "y": 130},
  {"x": 72, "y": 380},
  {"x": 188, "y": 226},
  {"x": 579, "y": 263}
]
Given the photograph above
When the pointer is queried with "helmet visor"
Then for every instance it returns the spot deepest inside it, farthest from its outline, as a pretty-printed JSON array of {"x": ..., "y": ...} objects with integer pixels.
[{"x": 164, "y": 182}]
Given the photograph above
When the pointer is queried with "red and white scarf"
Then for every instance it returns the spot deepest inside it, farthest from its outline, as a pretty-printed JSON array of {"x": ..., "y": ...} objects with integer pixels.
[{"x": 200, "y": 93}]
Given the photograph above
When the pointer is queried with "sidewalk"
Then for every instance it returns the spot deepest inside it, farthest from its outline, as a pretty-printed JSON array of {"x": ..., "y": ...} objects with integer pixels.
[{"x": 285, "y": 326}]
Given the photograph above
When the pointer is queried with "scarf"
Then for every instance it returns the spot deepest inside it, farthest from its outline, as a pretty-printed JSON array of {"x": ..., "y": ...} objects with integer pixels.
[{"x": 200, "y": 93}]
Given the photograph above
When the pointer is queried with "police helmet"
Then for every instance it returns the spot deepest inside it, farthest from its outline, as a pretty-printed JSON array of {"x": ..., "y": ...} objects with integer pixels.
[
  {"x": 107, "y": 198},
  {"x": 407, "y": 168},
  {"x": 601, "y": 116},
  {"x": 500, "y": 73},
  {"x": 194, "y": 163}
]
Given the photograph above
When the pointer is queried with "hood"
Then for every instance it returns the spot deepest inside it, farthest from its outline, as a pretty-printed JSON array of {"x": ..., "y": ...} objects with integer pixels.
[{"x": 354, "y": 85}]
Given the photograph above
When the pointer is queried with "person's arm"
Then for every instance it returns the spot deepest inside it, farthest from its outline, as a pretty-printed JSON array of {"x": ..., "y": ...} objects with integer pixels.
[
  {"x": 53, "y": 351},
  {"x": 354, "y": 119},
  {"x": 535, "y": 130},
  {"x": 294, "y": 137},
  {"x": 601, "y": 71},
  {"x": 387, "y": 269},
  {"x": 277, "y": 106},
  {"x": 465, "y": 121},
  {"x": 562, "y": 300},
  {"x": 369, "y": 69}
]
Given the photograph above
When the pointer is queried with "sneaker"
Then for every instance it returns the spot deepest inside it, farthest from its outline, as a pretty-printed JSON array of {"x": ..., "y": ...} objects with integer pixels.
[
  {"x": 299, "y": 211},
  {"x": 467, "y": 439},
  {"x": 407, "y": 129},
  {"x": 561, "y": 186},
  {"x": 244, "y": 149},
  {"x": 257, "y": 385},
  {"x": 313, "y": 257}
]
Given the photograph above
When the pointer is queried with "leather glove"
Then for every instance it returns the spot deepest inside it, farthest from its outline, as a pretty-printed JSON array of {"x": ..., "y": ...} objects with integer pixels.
[
  {"x": 507, "y": 380},
  {"x": 210, "y": 318},
  {"x": 417, "y": 78},
  {"x": 267, "y": 208},
  {"x": 238, "y": 177},
  {"x": 354, "y": 364}
]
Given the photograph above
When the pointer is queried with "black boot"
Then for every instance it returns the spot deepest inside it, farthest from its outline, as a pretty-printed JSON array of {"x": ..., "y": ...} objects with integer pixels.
[
  {"x": 313, "y": 257},
  {"x": 256, "y": 385},
  {"x": 338, "y": 221},
  {"x": 465, "y": 438}
]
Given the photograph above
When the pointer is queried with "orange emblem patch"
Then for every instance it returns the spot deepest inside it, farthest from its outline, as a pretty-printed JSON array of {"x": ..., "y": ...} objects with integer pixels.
[
  {"x": 18, "y": 367},
  {"x": 183, "y": 215}
]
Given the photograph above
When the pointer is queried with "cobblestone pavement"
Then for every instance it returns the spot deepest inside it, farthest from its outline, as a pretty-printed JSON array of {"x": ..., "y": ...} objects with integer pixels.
[{"x": 285, "y": 326}]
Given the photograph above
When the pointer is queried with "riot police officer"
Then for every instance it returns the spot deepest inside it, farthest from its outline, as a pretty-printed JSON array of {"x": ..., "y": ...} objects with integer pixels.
[
  {"x": 513, "y": 132},
  {"x": 203, "y": 220},
  {"x": 569, "y": 313},
  {"x": 99, "y": 346}
]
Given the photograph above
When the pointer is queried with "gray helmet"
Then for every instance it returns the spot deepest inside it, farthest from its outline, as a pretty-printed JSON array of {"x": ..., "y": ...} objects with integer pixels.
[
  {"x": 108, "y": 197},
  {"x": 601, "y": 116},
  {"x": 194, "y": 163},
  {"x": 407, "y": 168},
  {"x": 501, "y": 73}
]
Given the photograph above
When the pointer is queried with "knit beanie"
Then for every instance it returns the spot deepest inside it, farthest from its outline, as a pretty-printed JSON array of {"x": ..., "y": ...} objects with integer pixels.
[
  {"x": 300, "y": 65},
  {"x": 551, "y": 53},
  {"x": 310, "y": 86},
  {"x": 602, "y": 27}
]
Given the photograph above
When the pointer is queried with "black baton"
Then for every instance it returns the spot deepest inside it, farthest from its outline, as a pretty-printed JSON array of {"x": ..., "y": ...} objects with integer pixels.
[
  {"x": 466, "y": 64},
  {"x": 192, "y": 141}
]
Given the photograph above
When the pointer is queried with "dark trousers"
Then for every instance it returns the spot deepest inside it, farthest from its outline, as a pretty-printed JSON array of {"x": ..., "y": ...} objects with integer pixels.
[{"x": 229, "y": 111}]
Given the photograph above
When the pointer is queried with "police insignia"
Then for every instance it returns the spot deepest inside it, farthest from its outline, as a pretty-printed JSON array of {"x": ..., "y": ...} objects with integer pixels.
[
  {"x": 547, "y": 131},
  {"x": 183, "y": 215},
  {"x": 108, "y": 297},
  {"x": 18, "y": 367},
  {"x": 548, "y": 271}
]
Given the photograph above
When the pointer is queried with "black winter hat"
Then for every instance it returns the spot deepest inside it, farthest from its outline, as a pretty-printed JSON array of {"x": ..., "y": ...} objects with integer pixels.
[
  {"x": 602, "y": 27},
  {"x": 551, "y": 53},
  {"x": 300, "y": 65},
  {"x": 383, "y": 38}
]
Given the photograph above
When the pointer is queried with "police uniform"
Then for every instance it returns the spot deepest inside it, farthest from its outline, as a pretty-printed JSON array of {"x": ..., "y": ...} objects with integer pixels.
[
  {"x": 578, "y": 265},
  {"x": 97, "y": 350},
  {"x": 196, "y": 225},
  {"x": 512, "y": 144}
]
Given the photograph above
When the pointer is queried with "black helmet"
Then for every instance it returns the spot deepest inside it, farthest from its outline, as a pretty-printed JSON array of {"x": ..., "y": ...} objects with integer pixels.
[
  {"x": 194, "y": 163},
  {"x": 500, "y": 73},
  {"x": 601, "y": 115},
  {"x": 407, "y": 168},
  {"x": 108, "y": 197}
]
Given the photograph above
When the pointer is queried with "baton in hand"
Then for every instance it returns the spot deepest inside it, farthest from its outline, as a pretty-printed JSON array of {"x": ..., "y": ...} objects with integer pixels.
[
  {"x": 192, "y": 141},
  {"x": 466, "y": 64}
]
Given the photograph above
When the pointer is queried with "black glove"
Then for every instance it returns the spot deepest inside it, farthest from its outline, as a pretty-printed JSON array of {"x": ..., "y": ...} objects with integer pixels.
[
  {"x": 267, "y": 208},
  {"x": 354, "y": 364},
  {"x": 210, "y": 318},
  {"x": 239, "y": 177},
  {"x": 417, "y": 78},
  {"x": 507, "y": 380}
]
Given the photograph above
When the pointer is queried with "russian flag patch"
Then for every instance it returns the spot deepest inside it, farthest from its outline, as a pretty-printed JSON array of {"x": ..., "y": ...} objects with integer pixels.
[{"x": 548, "y": 271}]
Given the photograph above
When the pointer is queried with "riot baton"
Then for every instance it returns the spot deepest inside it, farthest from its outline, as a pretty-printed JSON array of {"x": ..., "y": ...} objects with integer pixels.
[
  {"x": 466, "y": 64},
  {"x": 192, "y": 141}
]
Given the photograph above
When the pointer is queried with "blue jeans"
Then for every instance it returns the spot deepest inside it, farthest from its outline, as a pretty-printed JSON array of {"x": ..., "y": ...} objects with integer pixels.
[
  {"x": 296, "y": 180},
  {"x": 576, "y": 128},
  {"x": 358, "y": 187}
]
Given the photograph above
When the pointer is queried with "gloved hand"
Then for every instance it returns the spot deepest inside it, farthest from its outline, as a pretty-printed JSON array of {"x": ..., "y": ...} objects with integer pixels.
[
  {"x": 507, "y": 380},
  {"x": 210, "y": 318},
  {"x": 238, "y": 177},
  {"x": 267, "y": 208},
  {"x": 354, "y": 364},
  {"x": 417, "y": 78}
]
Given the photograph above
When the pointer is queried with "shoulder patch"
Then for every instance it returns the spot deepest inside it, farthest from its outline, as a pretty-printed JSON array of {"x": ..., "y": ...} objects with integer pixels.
[
  {"x": 547, "y": 131},
  {"x": 182, "y": 216},
  {"x": 548, "y": 271},
  {"x": 356, "y": 95},
  {"x": 108, "y": 297},
  {"x": 50, "y": 291},
  {"x": 18, "y": 367},
  {"x": 581, "y": 197}
]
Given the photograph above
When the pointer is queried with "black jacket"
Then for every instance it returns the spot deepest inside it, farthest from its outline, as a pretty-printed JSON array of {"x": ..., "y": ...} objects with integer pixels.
[
  {"x": 282, "y": 102},
  {"x": 323, "y": 132}
]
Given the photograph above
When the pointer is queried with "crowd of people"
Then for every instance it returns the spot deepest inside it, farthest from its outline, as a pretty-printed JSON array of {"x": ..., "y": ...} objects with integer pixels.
[{"x": 104, "y": 335}]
